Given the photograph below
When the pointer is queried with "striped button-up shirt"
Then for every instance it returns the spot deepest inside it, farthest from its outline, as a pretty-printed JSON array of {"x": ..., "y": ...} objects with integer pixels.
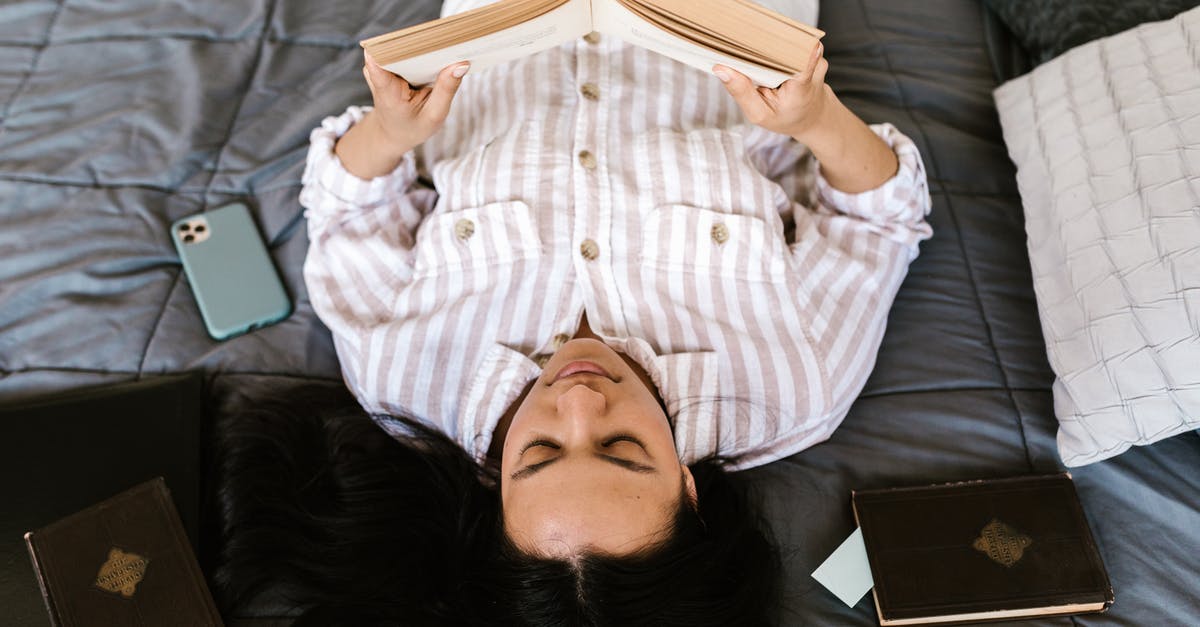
[{"x": 604, "y": 179}]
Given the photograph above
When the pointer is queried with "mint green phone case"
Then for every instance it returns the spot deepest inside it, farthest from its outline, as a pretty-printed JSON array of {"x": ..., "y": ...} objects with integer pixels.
[{"x": 230, "y": 272}]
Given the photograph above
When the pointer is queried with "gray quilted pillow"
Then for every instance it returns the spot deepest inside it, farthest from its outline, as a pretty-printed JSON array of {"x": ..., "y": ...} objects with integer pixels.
[
  {"x": 1106, "y": 139},
  {"x": 1047, "y": 28}
]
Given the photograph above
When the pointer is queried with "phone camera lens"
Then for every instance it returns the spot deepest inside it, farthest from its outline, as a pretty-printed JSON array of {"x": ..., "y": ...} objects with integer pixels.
[
  {"x": 199, "y": 228},
  {"x": 189, "y": 238},
  {"x": 183, "y": 228}
]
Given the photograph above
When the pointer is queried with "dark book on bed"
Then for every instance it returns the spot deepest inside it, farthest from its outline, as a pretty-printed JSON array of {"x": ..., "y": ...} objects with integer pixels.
[
  {"x": 981, "y": 550},
  {"x": 125, "y": 561}
]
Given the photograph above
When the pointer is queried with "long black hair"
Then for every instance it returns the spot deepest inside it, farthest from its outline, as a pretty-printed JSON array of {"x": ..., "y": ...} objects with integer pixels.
[{"x": 321, "y": 509}]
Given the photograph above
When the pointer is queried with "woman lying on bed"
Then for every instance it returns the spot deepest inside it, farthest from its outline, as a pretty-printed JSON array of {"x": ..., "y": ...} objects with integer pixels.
[{"x": 610, "y": 283}]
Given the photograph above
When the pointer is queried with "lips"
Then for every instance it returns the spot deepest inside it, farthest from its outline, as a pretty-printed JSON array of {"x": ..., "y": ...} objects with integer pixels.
[{"x": 581, "y": 367}]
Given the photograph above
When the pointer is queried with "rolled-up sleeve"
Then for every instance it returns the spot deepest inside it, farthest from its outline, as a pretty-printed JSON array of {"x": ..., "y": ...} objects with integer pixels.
[
  {"x": 331, "y": 195},
  {"x": 897, "y": 208},
  {"x": 850, "y": 255},
  {"x": 361, "y": 238}
]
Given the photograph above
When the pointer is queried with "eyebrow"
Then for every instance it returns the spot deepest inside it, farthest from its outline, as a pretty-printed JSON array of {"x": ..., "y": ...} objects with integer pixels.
[{"x": 629, "y": 465}]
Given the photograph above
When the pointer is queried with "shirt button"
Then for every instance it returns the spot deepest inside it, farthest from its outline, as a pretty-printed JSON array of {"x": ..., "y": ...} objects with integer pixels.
[
  {"x": 587, "y": 159},
  {"x": 464, "y": 229},
  {"x": 720, "y": 233},
  {"x": 589, "y": 249},
  {"x": 560, "y": 339},
  {"x": 590, "y": 91},
  {"x": 592, "y": 37}
]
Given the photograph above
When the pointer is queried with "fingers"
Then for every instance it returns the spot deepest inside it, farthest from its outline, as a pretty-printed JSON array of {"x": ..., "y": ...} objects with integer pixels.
[
  {"x": 812, "y": 74},
  {"x": 818, "y": 77},
  {"x": 814, "y": 60},
  {"x": 382, "y": 81},
  {"x": 814, "y": 71},
  {"x": 744, "y": 91},
  {"x": 444, "y": 88}
]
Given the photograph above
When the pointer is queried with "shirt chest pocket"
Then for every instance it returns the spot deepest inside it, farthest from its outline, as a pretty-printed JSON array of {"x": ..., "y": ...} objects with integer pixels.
[
  {"x": 685, "y": 239},
  {"x": 478, "y": 237}
]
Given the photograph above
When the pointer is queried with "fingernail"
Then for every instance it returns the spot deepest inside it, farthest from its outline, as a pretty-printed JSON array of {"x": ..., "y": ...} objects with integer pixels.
[
  {"x": 461, "y": 70},
  {"x": 723, "y": 75}
]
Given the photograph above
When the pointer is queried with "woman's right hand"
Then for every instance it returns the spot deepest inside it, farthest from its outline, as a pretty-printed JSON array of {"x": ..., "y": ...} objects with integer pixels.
[
  {"x": 408, "y": 116},
  {"x": 402, "y": 119}
]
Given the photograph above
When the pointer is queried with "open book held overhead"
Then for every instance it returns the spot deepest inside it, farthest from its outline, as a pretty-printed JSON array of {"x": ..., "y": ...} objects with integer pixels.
[{"x": 760, "y": 43}]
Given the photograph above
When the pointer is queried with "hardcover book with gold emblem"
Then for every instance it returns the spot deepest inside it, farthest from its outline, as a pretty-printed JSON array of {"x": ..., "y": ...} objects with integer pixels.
[
  {"x": 981, "y": 550},
  {"x": 123, "y": 562}
]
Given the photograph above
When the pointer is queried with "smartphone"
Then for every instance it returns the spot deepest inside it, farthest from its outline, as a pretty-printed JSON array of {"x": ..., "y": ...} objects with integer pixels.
[{"x": 230, "y": 272}]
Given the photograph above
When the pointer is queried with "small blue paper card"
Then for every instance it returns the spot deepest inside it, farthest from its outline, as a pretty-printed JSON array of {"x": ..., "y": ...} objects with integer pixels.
[{"x": 847, "y": 573}]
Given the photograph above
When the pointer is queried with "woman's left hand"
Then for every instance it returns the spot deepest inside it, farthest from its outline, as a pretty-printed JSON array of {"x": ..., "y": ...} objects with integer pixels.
[{"x": 793, "y": 108}]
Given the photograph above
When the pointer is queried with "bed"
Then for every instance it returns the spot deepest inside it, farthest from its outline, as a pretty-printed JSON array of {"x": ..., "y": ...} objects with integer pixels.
[{"x": 118, "y": 118}]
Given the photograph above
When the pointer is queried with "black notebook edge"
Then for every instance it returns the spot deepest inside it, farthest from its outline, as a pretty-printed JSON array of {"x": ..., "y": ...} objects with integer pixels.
[
  {"x": 101, "y": 390},
  {"x": 1093, "y": 549}
]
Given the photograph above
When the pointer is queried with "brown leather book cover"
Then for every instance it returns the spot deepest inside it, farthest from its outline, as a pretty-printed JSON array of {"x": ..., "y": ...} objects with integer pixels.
[
  {"x": 981, "y": 550},
  {"x": 124, "y": 562}
]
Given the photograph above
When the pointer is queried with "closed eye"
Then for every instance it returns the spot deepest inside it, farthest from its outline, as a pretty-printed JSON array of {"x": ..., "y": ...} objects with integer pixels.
[
  {"x": 623, "y": 437},
  {"x": 611, "y": 440},
  {"x": 540, "y": 442},
  {"x": 629, "y": 465}
]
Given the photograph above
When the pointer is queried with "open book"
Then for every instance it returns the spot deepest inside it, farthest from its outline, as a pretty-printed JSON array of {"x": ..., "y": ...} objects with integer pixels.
[{"x": 760, "y": 43}]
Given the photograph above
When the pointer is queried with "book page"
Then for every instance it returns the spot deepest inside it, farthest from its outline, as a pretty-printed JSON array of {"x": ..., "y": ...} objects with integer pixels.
[
  {"x": 563, "y": 24},
  {"x": 613, "y": 19}
]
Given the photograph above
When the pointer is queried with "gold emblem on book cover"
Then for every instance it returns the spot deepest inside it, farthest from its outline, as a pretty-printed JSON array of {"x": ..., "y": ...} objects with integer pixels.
[
  {"x": 121, "y": 572},
  {"x": 1003, "y": 544}
]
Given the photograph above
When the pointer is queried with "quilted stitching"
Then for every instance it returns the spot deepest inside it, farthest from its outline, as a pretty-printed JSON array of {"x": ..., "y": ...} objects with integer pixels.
[
  {"x": 115, "y": 119},
  {"x": 1107, "y": 143}
]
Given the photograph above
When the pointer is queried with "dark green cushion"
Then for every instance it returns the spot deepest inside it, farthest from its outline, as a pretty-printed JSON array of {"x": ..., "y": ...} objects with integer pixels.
[{"x": 1047, "y": 28}]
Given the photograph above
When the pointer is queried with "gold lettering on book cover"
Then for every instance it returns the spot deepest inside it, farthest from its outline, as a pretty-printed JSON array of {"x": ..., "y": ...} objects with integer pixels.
[
  {"x": 1003, "y": 544},
  {"x": 121, "y": 572}
]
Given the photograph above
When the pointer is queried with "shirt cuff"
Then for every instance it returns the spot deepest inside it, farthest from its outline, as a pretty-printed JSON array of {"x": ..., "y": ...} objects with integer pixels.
[
  {"x": 325, "y": 174},
  {"x": 902, "y": 199}
]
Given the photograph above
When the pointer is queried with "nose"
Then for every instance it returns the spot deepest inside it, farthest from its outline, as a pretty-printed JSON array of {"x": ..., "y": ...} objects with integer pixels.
[{"x": 581, "y": 403}]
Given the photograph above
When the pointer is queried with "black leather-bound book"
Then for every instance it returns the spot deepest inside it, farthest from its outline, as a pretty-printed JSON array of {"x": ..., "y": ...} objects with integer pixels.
[
  {"x": 123, "y": 562},
  {"x": 981, "y": 550}
]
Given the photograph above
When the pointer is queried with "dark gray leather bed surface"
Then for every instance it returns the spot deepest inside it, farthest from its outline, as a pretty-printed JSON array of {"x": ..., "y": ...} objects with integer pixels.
[{"x": 117, "y": 118}]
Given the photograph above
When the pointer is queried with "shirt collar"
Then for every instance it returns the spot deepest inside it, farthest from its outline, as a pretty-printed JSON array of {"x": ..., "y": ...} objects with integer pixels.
[
  {"x": 690, "y": 386},
  {"x": 498, "y": 383},
  {"x": 688, "y": 383}
]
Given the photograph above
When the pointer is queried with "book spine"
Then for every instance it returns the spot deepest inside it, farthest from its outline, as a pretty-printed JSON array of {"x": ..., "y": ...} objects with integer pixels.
[{"x": 41, "y": 579}]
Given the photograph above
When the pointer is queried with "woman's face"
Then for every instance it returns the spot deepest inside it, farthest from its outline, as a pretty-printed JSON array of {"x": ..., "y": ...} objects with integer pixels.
[{"x": 589, "y": 461}]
